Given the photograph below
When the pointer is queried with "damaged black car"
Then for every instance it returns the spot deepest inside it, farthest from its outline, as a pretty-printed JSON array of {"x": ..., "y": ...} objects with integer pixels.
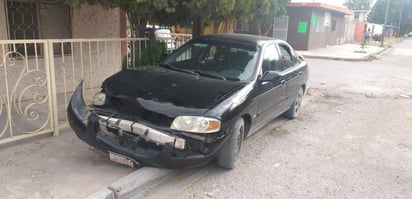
[{"x": 196, "y": 105}]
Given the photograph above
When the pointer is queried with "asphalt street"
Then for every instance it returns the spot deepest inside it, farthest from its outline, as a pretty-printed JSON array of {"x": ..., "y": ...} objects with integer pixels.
[{"x": 352, "y": 140}]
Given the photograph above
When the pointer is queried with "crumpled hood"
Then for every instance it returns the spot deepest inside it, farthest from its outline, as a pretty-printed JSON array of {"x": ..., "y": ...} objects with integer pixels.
[{"x": 167, "y": 92}]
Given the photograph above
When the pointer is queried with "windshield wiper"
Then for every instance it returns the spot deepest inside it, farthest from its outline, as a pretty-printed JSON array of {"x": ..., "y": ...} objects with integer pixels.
[
  {"x": 169, "y": 66},
  {"x": 209, "y": 75}
]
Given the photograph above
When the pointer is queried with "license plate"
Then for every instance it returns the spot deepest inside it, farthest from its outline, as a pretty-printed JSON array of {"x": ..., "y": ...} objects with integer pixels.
[{"x": 121, "y": 159}]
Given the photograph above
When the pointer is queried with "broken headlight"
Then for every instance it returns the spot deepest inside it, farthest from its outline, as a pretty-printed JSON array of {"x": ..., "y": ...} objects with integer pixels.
[{"x": 99, "y": 99}]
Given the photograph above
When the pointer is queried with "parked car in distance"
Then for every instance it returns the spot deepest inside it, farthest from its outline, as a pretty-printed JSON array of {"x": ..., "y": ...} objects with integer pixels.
[
  {"x": 165, "y": 35},
  {"x": 410, "y": 34},
  {"x": 196, "y": 105}
]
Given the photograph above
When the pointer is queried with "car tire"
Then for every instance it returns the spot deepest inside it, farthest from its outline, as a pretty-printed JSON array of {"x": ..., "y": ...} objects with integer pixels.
[
  {"x": 230, "y": 151},
  {"x": 294, "y": 109}
]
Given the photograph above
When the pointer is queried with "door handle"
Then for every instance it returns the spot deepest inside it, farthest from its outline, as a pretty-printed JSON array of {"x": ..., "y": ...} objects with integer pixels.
[
  {"x": 301, "y": 73},
  {"x": 264, "y": 83}
]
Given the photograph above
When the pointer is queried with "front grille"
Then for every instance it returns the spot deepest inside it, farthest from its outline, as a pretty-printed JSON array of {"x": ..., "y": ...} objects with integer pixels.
[{"x": 139, "y": 113}]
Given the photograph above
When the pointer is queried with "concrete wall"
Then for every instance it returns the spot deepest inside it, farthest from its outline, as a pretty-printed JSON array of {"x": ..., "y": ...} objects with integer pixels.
[
  {"x": 312, "y": 39},
  {"x": 328, "y": 37},
  {"x": 94, "y": 21},
  {"x": 337, "y": 36},
  {"x": 3, "y": 23},
  {"x": 299, "y": 41},
  {"x": 350, "y": 31}
]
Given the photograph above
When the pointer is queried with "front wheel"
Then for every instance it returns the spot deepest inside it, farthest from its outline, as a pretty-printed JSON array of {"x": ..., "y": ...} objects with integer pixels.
[
  {"x": 294, "y": 109},
  {"x": 230, "y": 151}
]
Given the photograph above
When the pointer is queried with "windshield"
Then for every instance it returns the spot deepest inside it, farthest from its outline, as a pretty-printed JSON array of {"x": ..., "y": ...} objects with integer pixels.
[{"x": 216, "y": 59}]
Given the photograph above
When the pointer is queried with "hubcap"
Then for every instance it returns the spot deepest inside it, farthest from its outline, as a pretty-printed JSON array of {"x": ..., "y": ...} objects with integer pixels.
[
  {"x": 298, "y": 102},
  {"x": 238, "y": 140}
]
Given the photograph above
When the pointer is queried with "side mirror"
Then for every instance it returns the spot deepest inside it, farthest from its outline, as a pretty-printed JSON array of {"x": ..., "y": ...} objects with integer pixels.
[{"x": 270, "y": 76}]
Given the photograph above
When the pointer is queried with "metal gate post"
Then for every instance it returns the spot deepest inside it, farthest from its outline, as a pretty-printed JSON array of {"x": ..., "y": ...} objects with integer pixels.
[{"x": 51, "y": 77}]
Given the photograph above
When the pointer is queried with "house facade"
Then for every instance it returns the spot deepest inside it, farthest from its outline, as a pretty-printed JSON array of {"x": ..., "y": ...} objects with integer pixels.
[
  {"x": 316, "y": 25},
  {"x": 46, "y": 49},
  {"x": 48, "y": 19}
]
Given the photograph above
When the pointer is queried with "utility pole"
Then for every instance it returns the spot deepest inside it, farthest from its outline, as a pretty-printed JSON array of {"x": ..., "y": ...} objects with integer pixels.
[
  {"x": 386, "y": 21},
  {"x": 400, "y": 19}
]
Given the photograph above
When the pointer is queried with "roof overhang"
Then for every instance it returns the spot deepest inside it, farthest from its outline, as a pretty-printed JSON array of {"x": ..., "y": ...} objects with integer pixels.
[{"x": 329, "y": 7}]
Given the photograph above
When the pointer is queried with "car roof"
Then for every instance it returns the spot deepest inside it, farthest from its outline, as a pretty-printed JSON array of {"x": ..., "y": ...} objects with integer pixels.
[{"x": 240, "y": 38}]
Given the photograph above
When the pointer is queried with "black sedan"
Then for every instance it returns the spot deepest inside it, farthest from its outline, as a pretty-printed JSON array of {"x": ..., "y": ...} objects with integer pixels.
[{"x": 196, "y": 105}]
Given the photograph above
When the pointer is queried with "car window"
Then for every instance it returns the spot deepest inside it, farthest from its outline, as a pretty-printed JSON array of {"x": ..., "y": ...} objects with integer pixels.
[
  {"x": 190, "y": 53},
  {"x": 271, "y": 60},
  {"x": 231, "y": 61},
  {"x": 287, "y": 57}
]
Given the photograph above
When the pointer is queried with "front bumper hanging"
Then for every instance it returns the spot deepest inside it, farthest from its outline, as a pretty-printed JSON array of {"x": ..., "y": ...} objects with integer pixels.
[{"x": 87, "y": 124}]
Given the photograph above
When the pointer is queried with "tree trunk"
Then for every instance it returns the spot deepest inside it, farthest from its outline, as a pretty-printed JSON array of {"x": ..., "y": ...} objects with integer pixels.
[
  {"x": 197, "y": 27},
  {"x": 138, "y": 25},
  {"x": 216, "y": 26},
  {"x": 138, "y": 28},
  {"x": 266, "y": 29},
  {"x": 255, "y": 27}
]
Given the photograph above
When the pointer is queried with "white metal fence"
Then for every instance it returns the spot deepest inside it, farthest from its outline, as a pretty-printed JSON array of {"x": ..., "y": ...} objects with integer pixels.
[{"x": 37, "y": 78}]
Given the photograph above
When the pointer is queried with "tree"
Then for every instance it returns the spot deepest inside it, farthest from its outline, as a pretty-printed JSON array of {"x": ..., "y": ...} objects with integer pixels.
[
  {"x": 399, "y": 11},
  {"x": 199, "y": 13},
  {"x": 357, "y": 4},
  {"x": 263, "y": 13},
  {"x": 225, "y": 13}
]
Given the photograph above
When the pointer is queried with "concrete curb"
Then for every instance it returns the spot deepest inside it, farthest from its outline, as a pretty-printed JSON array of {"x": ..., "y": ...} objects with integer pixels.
[
  {"x": 367, "y": 57},
  {"x": 102, "y": 194},
  {"x": 133, "y": 184},
  {"x": 382, "y": 52}
]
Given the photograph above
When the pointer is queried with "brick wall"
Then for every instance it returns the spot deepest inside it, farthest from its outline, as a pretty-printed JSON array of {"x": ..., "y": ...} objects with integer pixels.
[{"x": 94, "y": 21}]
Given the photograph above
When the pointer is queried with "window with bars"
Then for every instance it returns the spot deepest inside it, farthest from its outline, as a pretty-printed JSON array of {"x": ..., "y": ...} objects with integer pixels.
[
  {"x": 38, "y": 20},
  {"x": 320, "y": 25}
]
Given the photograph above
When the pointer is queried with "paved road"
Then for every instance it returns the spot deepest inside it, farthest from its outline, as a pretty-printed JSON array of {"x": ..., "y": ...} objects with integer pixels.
[{"x": 352, "y": 140}]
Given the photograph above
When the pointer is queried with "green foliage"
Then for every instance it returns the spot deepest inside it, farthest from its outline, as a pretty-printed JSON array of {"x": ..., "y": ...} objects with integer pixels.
[
  {"x": 149, "y": 56},
  {"x": 255, "y": 11},
  {"x": 398, "y": 10},
  {"x": 172, "y": 12},
  {"x": 363, "y": 44},
  {"x": 152, "y": 53},
  {"x": 357, "y": 4},
  {"x": 263, "y": 12}
]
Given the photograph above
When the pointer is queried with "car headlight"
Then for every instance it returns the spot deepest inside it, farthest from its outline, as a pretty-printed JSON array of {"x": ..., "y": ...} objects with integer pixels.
[
  {"x": 99, "y": 99},
  {"x": 195, "y": 124}
]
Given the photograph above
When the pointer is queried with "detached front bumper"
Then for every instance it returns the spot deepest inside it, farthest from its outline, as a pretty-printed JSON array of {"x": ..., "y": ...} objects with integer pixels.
[{"x": 173, "y": 151}]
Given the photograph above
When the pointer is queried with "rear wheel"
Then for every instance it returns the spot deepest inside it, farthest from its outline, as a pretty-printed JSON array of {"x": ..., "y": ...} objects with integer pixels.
[
  {"x": 230, "y": 151},
  {"x": 294, "y": 109}
]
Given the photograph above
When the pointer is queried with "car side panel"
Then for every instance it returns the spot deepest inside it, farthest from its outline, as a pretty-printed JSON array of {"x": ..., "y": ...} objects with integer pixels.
[
  {"x": 270, "y": 100},
  {"x": 294, "y": 79}
]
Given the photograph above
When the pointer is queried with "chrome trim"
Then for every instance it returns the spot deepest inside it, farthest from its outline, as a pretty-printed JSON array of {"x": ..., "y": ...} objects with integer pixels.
[{"x": 148, "y": 133}]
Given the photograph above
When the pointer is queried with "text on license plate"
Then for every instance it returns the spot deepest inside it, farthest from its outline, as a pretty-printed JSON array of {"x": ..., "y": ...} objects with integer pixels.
[{"x": 121, "y": 159}]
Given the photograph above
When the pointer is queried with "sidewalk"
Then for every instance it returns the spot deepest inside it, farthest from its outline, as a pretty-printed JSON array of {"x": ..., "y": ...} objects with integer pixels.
[
  {"x": 346, "y": 52},
  {"x": 55, "y": 167}
]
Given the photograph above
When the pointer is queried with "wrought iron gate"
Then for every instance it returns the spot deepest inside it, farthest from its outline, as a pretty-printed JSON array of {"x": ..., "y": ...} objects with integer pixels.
[
  {"x": 280, "y": 27},
  {"x": 26, "y": 106},
  {"x": 37, "y": 78}
]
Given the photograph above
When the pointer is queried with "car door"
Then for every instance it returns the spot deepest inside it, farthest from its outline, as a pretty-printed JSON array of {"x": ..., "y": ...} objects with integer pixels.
[
  {"x": 292, "y": 73},
  {"x": 270, "y": 93}
]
